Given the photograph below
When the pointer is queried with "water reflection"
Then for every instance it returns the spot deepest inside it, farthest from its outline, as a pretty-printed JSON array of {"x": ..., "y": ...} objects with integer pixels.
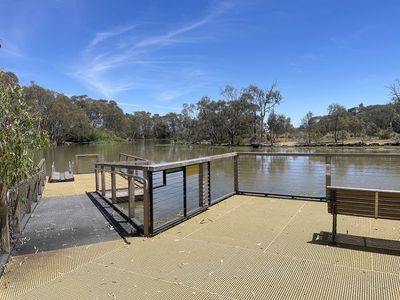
[
  {"x": 296, "y": 175},
  {"x": 287, "y": 175}
]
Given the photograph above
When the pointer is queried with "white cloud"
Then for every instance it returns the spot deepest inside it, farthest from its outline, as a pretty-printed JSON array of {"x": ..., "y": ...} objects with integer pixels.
[
  {"x": 103, "y": 36},
  {"x": 125, "y": 58}
]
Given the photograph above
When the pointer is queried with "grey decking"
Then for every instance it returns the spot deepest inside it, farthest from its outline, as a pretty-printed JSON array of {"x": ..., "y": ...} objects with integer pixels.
[{"x": 63, "y": 222}]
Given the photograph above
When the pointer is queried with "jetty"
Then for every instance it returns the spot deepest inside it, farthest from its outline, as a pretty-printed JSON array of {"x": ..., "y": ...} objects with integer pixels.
[
  {"x": 193, "y": 229},
  {"x": 61, "y": 176}
]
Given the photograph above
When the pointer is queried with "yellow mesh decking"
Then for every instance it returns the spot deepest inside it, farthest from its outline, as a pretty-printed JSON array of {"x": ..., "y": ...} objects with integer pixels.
[
  {"x": 242, "y": 248},
  {"x": 83, "y": 183}
]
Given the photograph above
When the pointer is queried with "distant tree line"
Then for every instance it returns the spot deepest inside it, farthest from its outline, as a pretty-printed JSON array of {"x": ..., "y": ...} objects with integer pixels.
[
  {"x": 358, "y": 123},
  {"x": 239, "y": 116}
]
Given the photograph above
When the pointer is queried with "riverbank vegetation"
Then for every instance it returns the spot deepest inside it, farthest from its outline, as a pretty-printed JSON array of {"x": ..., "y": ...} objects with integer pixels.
[
  {"x": 20, "y": 132},
  {"x": 240, "y": 116}
]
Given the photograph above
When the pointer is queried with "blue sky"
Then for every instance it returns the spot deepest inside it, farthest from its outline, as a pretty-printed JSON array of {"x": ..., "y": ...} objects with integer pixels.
[{"x": 157, "y": 55}]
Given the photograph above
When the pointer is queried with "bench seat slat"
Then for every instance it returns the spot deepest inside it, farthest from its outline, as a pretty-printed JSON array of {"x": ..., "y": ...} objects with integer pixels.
[
  {"x": 355, "y": 201},
  {"x": 356, "y": 213},
  {"x": 361, "y": 190}
]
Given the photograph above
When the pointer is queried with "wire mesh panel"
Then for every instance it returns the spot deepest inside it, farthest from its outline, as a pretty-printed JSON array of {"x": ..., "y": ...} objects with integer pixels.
[
  {"x": 298, "y": 176},
  {"x": 366, "y": 172},
  {"x": 222, "y": 183}
]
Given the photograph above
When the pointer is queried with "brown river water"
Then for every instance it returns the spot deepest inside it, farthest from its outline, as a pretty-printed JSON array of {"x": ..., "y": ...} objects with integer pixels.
[{"x": 265, "y": 174}]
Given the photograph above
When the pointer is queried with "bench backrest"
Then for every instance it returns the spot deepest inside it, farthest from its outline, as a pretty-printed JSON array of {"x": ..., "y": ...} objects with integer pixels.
[{"x": 372, "y": 203}]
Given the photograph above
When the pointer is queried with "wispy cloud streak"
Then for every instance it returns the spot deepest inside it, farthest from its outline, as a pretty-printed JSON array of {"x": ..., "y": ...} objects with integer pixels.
[
  {"x": 103, "y": 36},
  {"x": 123, "y": 58}
]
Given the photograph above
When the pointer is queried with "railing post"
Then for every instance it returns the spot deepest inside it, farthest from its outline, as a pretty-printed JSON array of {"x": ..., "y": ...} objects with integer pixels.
[
  {"x": 147, "y": 195},
  {"x": 328, "y": 173},
  {"x": 164, "y": 177},
  {"x": 96, "y": 177},
  {"x": 4, "y": 228},
  {"x": 44, "y": 176},
  {"x": 334, "y": 216},
  {"x": 103, "y": 181},
  {"x": 131, "y": 194},
  {"x": 16, "y": 219},
  {"x": 236, "y": 173},
  {"x": 29, "y": 195},
  {"x": 184, "y": 193},
  {"x": 201, "y": 185},
  {"x": 209, "y": 182},
  {"x": 113, "y": 186},
  {"x": 77, "y": 164}
]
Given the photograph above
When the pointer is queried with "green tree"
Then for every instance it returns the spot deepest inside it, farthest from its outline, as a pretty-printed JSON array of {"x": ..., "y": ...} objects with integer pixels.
[
  {"x": 337, "y": 115},
  {"x": 20, "y": 132},
  {"x": 212, "y": 124},
  {"x": 310, "y": 128},
  {"x": 20, "y": 135},
  {"x": 67, "y": 122},
  {"x": 173, "y": 122},
  {"x": 160, "y": 127},
  {"x": 238, "y": 115},
  {"x": 190, "y": 124},
  {"x": 265, "y": 100},
  {"x": 394, "y": 90},
  {"x": 278, "y": 124}
]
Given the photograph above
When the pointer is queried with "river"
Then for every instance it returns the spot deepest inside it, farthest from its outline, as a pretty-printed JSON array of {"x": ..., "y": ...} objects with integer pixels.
[{"x": 281, "y": 175}]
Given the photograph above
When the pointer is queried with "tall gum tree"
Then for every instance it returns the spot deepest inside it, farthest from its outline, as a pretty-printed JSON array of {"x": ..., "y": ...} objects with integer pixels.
[{"x": 20, "y": 134}]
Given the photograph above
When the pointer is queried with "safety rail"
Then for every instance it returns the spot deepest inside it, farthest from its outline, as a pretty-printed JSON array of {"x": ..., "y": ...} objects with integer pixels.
[
  {"x": 17, "y": 203},
  {"x": 130, "y": 157},
  {"x": 123, "y": 189},
  {"x": 78, "y": 157},
  {"x": 176, "y": 191}
]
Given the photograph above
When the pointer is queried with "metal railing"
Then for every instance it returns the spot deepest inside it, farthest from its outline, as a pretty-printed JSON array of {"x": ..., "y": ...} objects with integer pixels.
[
  {"x": 176, "y": 191},
  {"x": 79, "y": 157},
  {"x": 130, "y": 157}
]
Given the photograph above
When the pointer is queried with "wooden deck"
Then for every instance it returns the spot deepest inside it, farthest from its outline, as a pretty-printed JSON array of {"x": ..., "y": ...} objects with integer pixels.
[{"x": 61, "y": 177}]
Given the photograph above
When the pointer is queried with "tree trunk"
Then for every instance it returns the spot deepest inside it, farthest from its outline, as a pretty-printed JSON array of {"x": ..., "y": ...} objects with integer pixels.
[{"x": 4, "y": 229}]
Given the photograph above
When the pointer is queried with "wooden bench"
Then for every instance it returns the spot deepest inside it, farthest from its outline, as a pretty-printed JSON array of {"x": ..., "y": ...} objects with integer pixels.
[{"x": 359, "y": 202}]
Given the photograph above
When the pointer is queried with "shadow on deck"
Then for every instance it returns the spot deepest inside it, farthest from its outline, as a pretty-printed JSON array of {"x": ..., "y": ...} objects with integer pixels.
[
  {"x": 71, "y": 221},
  {"x": 360, "y": 243}
]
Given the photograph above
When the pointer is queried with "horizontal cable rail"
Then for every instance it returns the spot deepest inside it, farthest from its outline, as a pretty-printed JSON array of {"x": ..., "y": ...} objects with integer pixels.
[
  {"x": 378, "y": 173},
  {"x": 289, "y": 176},
  {"x": 176, "y": 191}
]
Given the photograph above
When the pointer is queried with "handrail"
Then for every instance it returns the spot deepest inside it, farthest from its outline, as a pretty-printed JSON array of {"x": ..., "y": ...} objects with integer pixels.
[
  {"x": 324, "y": 154},
  {"x": 122, "y": 174},
  {"x": 321, "y": 182},
  {"x": 132, "y": 156},
  {"x": 77, "y": 156},
  {"x": 30, "y": 188},
  {"x": 362, "y": 189},
  {"x": 195, "y": 161},
  {"x": 41, "y": 163},
  {"x": 168, "y": 165}
]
